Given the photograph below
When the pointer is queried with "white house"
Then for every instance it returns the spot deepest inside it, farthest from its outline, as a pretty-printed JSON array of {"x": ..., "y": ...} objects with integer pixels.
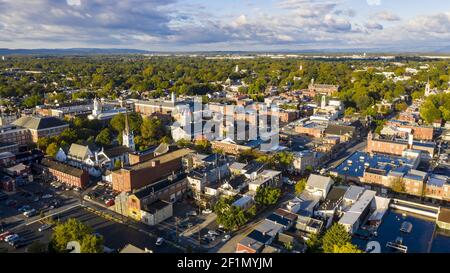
[{"x": 319, "y": 185}]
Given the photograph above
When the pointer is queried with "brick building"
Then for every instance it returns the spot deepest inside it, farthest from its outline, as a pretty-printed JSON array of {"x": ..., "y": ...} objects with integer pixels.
[
  {"x": 64, "y": 173},
  {"x": 41, "y": 126},
  {"x": 145, "y": 173}
]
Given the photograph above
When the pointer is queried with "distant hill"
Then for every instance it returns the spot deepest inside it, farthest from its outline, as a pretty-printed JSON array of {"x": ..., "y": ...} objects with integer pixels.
[
  {"x": 70, "y": 51},
  {"x": 118, "y": 51}
]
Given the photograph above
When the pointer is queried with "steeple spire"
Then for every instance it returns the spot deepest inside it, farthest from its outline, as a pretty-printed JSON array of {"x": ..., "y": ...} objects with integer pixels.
[
  {"x": 127, "y": 128},
  {"x": 128, "y": 136}
]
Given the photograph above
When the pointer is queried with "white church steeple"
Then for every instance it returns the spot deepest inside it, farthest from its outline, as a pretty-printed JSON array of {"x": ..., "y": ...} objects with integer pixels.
[{"x": 128, "y": 136}]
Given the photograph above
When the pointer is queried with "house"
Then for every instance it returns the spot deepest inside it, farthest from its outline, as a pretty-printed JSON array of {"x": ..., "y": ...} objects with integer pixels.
[
  {"x": 283, "y": 218},
  {"x": 263, "y": 235},
  {"x": 332, "y": 202},
  {"x": 64, "y": 173},
  {"x": 245, "y": 202},
  {"x": 267, "y": 178},
  {"x": 319, "y": 185},
  {"x": 308, "y": 225},
  {"x": 358, "y": 212},
  {"x": 156, "y": 212}
]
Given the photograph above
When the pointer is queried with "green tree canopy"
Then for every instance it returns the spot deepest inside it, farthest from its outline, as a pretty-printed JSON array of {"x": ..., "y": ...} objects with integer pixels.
[
  {"x": 74, "y": 230},
  {"x": 336, "y": 236},
  {"x": 267, "y": 196}
]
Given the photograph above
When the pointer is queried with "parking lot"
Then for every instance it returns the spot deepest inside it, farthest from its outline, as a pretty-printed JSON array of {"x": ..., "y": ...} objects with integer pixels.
[
  {"x": 31, "y": 197},
  {"x": 115, "y": 235}
]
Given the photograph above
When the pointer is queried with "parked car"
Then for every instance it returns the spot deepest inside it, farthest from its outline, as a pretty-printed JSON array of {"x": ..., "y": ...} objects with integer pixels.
[
  {"x": 191, "y": 213},
  {"x": 226, "y": 238},
  {"x": 206, "y": 211},
  {"x": 5, "y": 234},
  {"x": 47, "y": 196},
  {"x": 213, "y": 233},
  {"x": 220, "y": 230},
  {"x": 159, "y": 241},
  {"x": 11, "y": 237},
  {"x": 24, "y": 208},
  {"x": 30, "y": 213},
  {"x": 44, "y": 227},
  {"x": 109, "y": 202}
]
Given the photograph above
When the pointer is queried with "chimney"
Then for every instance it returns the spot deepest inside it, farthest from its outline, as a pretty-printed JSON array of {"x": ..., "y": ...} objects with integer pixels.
[{"x": 155, "y": 163}]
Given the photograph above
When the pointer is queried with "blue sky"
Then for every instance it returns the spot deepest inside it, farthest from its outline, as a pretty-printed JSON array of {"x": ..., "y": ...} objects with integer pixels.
[{"x": 180, "y": 25}]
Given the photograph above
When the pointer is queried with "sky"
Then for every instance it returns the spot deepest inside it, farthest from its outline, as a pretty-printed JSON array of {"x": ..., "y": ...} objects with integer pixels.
[{"x": 213, "y": 25}]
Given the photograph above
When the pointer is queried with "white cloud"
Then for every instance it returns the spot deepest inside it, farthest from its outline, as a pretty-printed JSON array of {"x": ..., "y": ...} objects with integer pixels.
[{"x": 373, "y": 2}]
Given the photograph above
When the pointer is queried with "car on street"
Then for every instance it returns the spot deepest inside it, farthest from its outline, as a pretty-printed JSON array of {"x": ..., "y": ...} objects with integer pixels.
[
  {"x": 220, "y": 230},
  {"x": 30, "y": 213},
  {"x": 213, "y": 233},
  {"x": 11, "y": 237},
  {"x": 109, "y": 202},
  {"x": 5, "y": 234},
  {"x": 206, "y": 211},
  {"x": 159, "y": 241},
  {"x": 24, "y": 208},
  {"x": 226, "y": 238},
  {"x": 44, "y": 227}
]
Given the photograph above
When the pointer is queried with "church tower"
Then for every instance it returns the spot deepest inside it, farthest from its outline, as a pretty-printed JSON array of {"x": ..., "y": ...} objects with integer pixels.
[
  {"x": 323, "y": 104},
  {"x": 97, "y": 108},
  {"x": 428, "y": 89},
  {"x": 128, "y": 136}
]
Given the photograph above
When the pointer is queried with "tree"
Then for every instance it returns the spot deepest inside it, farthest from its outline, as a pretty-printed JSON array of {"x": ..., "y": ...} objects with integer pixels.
[
  {"x": 117, "y": 164},
  {"x": 300, "y": 186},
  {"x": 231, "y": 217},
  {"x": 337, "y": 235},
  {"x": 52, "y": 149},
  {"x": 74, "y": 230},
  {"x": 349, "y": 111},
  {"x": 314, "y": 244},
  {"x": 134, "y": 122},
  {"x": 92, "y": 244},
  {"x": 104, "y": 137},
  {"x": 202, "y": 145},
  {"x": 152, "y": 129},
  {"x": 267, "y": 196},
  {"x": 347, "y": 248}
]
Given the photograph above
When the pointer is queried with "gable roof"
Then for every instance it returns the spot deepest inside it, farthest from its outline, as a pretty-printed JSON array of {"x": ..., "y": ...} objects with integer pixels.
[
  {"x": 318, "y": 181},
  {"x": 39, "y": 123},
  {"x": 79, "y": 151},
  {"x": 117, "y": 151}
]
